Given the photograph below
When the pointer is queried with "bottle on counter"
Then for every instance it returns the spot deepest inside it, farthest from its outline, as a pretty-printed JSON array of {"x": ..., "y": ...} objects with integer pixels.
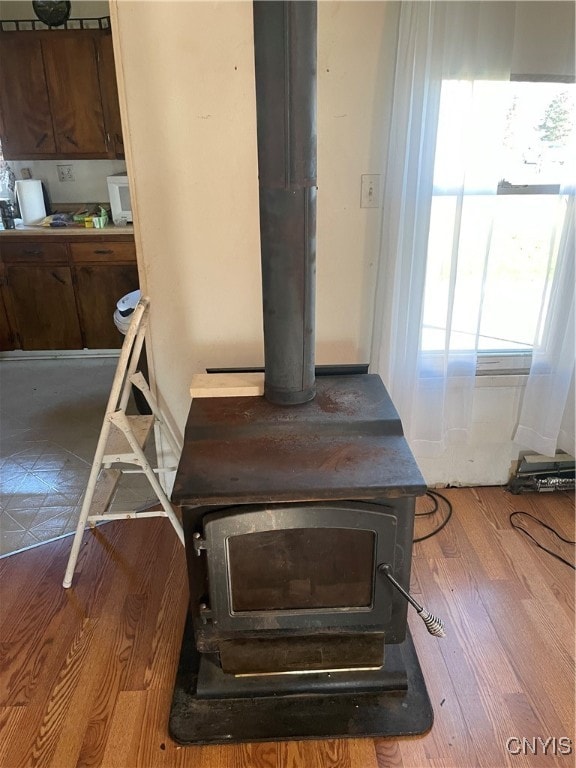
[{"x": 9, "y": 213}]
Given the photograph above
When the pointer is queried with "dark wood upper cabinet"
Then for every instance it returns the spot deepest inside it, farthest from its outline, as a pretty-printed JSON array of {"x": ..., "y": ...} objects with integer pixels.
[
  {"x": 58, "y": 95},
  {"x": 109, "y": 91},
  {"x": 26, "y": 116},
  {"x": 74, "y": 92}
]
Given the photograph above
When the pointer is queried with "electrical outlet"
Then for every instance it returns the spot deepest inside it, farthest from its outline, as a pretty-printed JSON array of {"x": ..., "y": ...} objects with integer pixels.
[
  {"x": 26, "y": 173},
  {"x": 370, "y": 190},
  {"x": 66, "y": 173}
]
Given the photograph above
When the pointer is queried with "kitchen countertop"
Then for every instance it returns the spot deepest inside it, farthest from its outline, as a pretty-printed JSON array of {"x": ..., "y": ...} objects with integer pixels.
[{"x": 67, "y": 232}]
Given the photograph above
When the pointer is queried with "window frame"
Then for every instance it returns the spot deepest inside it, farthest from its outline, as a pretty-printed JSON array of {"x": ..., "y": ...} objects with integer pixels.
[{"x": 505, "y": 362}]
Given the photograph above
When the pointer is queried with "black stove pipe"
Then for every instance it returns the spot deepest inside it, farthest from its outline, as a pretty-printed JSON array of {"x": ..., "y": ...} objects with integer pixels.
[{"x": 285, "y": 64}]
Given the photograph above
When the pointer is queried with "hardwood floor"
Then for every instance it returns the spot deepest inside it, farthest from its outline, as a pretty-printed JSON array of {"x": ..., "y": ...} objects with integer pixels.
[{"x": 87, "y": 673}]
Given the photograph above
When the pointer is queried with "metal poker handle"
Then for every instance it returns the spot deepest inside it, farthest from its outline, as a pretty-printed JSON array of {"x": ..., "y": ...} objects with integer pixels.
[{"x": 434, "y": 625}]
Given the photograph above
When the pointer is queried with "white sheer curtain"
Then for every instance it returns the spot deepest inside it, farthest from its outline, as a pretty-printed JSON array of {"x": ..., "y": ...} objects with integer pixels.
[
  {"x": 547, "y": 414},
  {"x": 467, "y": 43}
]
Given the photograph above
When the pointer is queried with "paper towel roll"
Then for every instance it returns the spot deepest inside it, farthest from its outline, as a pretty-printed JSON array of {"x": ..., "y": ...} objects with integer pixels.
[{"x": 30, "y": 200}]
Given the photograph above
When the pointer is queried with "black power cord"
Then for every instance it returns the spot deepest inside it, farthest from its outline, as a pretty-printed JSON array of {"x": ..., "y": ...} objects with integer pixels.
[
  {"x": 436, "y": 498},
  {"x": 549, "y": 528}
]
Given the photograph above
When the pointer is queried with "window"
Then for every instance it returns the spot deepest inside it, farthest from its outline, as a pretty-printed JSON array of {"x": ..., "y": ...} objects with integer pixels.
[{"x": 498, "y": 209}]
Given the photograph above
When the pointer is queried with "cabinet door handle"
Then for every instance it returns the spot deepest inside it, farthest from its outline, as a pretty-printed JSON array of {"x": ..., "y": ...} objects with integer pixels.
[
  {"x": 41, "y": 140},
  {"x": 70, "y": 139},
  {"x": 33, "y": 252},
  {"x": 104, "y": 251},
  {"x": 57, "y": 277}
]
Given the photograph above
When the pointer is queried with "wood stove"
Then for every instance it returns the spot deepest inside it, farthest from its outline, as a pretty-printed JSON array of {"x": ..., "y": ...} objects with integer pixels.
[
  {"x": 289, "y": 516},
  {"x": 298, "y": 506}
]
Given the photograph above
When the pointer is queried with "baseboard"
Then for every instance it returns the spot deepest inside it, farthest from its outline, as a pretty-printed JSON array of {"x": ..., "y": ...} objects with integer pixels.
[{"x": 57, "y": 354}]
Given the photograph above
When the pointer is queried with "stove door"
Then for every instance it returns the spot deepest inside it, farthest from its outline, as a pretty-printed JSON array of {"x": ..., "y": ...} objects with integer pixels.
[{"x": 300, "y": 566}]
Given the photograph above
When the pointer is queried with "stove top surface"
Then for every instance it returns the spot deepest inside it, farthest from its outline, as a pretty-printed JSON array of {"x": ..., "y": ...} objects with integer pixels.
[{"x": 347, "y": 443}]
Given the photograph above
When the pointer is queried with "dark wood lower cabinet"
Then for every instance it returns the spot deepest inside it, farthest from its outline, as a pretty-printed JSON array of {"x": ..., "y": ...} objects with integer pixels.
[
  {"x": 99, "y": 287},
  {"x": 61, "y": 293},
  {"x": 44, "y": 307},
  {"x": 7, "y": 340}
]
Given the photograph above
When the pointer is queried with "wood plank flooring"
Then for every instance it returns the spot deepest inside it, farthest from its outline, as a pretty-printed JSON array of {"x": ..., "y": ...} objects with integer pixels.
[{"x": 86, "y": 674}]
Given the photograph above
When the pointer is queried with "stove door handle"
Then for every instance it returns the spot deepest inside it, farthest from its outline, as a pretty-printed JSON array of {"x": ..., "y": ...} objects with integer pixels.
[{"x": 434, "y": 625}]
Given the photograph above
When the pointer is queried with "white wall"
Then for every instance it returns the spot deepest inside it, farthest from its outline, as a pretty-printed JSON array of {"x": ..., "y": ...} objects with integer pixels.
[
  {"x": 89, "y": 185},
  {"x": 190, "y": 135},
  {"x": 356, "y": 48},
  {"x": 544, "y": 38},
  {"x": 187, "y": 92}
]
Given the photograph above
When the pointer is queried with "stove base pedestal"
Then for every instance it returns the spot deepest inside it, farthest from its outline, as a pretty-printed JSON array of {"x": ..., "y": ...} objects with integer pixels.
[{"x": 226, "y": 715}]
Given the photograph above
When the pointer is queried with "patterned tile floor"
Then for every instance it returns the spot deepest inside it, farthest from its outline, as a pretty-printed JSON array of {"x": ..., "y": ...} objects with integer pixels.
[{"x": 50, "y": 417}]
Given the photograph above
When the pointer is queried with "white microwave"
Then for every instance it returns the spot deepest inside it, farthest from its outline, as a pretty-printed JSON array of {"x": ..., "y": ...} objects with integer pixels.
[{"x": 119, "y": 196}]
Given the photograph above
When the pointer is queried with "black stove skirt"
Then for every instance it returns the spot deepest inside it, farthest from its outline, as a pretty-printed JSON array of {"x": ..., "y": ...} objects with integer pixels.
[{"x": 209, "y": 707}]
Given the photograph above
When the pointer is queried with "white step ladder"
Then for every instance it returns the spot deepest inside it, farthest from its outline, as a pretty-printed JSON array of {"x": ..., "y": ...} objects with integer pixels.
[{"x": 122, "y": 441}]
